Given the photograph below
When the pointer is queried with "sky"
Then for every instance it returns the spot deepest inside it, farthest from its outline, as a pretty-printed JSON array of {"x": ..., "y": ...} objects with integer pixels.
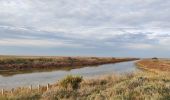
[{"x": 117, "y": 28}]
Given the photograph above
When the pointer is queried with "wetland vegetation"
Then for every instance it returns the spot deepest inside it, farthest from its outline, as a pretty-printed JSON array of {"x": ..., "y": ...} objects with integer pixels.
[
  {"x": 11, "y": 65},
  {"x": 135, "y": 86},
  {"x": 145, "y": 85}
]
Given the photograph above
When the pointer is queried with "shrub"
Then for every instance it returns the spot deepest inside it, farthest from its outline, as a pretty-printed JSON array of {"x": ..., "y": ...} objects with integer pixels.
[
  {"x": 155, "y": 59},
  {"x": 72, "y": 81}
]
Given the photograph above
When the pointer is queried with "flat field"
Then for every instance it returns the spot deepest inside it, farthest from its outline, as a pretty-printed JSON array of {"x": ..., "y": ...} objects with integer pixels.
[{"x": 155, "y": 65}]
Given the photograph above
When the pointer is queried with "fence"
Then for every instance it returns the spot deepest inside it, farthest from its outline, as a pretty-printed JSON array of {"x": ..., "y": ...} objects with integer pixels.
[{"x": 39, "y": 88}]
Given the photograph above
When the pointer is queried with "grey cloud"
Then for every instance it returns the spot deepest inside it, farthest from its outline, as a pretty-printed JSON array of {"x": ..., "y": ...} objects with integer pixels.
[
  {"x": 110, "y": 24},
  {"x": 65, "y": 13}
]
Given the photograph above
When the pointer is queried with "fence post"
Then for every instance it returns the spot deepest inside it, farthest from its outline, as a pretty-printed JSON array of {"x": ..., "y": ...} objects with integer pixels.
[
  {"x": 38, "y": 87},
  {"x": 30, "y": 87},
  {"x": 12, "y": 90},
  {"x": 2, "y": 91},
  {"x": 48, "y": 86}
]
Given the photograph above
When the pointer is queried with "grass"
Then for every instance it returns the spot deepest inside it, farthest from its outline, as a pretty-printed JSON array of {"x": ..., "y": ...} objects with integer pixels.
[
  {"x": 71, "y": 82},
  {"x": 155, "y": 65},
  {"x": 136, "y": 86}
]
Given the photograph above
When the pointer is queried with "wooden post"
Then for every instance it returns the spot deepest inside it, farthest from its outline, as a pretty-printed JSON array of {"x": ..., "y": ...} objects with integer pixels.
[
  {"x": 30, "y": 87},
  {"x": 48, "y": 86},
  {"x": 2, "y": 91},
  {"x": 38, "y": 87},
  {"x": 12, "y": 90}
]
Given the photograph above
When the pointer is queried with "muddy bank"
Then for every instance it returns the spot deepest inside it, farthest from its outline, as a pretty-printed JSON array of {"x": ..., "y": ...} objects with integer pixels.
[{"x": 27, "y": 63}]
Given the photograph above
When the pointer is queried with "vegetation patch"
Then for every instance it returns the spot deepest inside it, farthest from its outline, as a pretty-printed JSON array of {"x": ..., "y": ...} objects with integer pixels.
[
  {"x": 155, "y": 65},
  {"x": 137, "y": 86},
  {"x": 72, "y": 82}
]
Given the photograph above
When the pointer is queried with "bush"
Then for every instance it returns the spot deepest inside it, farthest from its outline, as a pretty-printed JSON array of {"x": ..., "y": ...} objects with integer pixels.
[
  {"x": 155, "y": 59},
  {"x": 72, "y": 81}
]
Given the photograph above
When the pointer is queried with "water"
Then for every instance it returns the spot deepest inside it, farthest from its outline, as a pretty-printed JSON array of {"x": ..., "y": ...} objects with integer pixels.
[{"x": 44, "y": 78}]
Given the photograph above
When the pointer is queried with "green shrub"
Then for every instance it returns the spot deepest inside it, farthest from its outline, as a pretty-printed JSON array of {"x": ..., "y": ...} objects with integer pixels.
[{"x": 72, "y": 81}]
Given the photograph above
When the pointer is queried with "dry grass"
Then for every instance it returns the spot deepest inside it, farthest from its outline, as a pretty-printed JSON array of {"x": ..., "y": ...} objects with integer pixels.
[
  {"x": 137, "y": 86},
  {"x": 155, "y": 65}
]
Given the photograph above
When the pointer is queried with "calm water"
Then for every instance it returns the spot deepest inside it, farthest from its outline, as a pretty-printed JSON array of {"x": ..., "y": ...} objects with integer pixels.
[{"x": 44, "y": 78}]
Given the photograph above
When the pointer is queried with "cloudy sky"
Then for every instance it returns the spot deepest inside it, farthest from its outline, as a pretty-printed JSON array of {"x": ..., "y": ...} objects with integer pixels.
[{"x": 137, "y": 28}]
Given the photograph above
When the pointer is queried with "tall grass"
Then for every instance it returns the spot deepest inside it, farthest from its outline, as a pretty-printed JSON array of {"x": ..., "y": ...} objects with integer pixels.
[
  {"x": 137, "y": 86},
  {"x": 71, "y": 82}
]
